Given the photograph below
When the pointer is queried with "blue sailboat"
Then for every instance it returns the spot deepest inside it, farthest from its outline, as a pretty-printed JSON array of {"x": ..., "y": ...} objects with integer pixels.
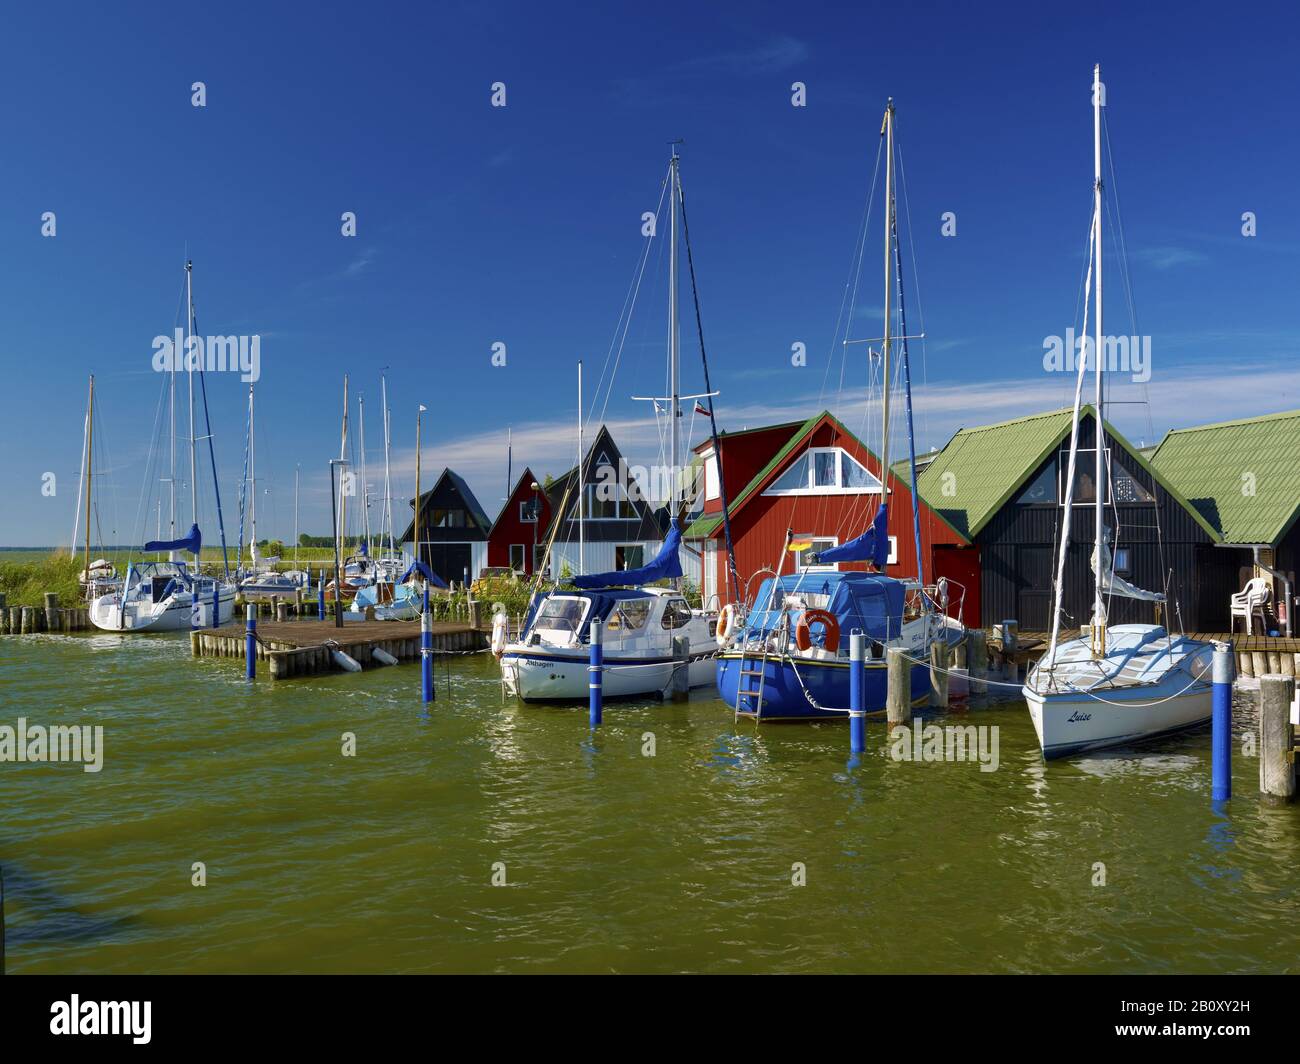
[{"x": 788, "y": 659}]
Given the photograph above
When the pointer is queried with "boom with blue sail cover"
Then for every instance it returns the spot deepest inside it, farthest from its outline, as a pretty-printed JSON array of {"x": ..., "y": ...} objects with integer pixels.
[
  {"x": 666, "y": 565},
  {"x": 192, "y": 542},
  {"x": 872, "y": 546}
]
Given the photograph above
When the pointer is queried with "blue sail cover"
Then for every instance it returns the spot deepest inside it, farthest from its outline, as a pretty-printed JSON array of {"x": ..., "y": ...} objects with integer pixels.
[
  {"x": 429, "y": 575},
  {"x": 872, "y": 546},
  {"x": 190, "y": 543},
  {"x": 665, "y": 566}
]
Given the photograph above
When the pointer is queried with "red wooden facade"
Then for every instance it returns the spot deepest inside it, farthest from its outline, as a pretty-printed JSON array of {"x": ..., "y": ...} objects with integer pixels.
[
  {"x": 510, "y": 529},
  {"x": 760, "y": 521}
]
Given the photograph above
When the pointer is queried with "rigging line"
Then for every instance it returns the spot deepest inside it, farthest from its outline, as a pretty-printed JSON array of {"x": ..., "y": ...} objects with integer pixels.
[{"x": 212, "y": 455}]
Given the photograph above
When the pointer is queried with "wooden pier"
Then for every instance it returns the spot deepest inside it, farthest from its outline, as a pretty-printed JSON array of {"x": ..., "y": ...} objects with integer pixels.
[{"x": 306, "y": 647}]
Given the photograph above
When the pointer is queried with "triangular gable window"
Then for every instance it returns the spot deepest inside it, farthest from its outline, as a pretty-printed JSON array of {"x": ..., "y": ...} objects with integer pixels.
[{"x": 825, "y": 470}]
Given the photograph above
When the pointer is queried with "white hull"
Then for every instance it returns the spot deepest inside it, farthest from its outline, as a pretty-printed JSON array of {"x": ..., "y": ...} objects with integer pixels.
[
  {"x": 1074, "y": 724},
  {"x": 540, "y": 677},
  {"x": 173, "y": 614}
]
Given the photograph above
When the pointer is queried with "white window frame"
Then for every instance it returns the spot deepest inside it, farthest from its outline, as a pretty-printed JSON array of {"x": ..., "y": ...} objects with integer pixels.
[
  {"x": 1090, "y": 466},
  {"x": 525, "y": 507},
  {"x": 590, "y": 501},
  {"x": 712, "y": 488},
  {"x": 624, "y": 547},
  {"x": 833, "y": 567},
  {"x": 523, "y": 555},
  {"x": 811, "y": 489}
]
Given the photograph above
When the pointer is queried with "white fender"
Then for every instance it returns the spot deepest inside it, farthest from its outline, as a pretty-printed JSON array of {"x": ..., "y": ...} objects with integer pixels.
[
  {"x": 500, "y": 634},
  {"x": 382, "y": 655},
  {"x": 344, "y": 660}
]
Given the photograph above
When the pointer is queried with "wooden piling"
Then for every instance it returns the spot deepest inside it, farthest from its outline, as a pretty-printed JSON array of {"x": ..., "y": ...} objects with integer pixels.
[
  {"x": 939, "y": 662},
  {"x": 898, "y": 691},
  {"x": 977, "y": 661},
  {"x": 28, "y": 624},
  {"x": 681, "y": 682},
  {"x": 1277, "y": 782}
]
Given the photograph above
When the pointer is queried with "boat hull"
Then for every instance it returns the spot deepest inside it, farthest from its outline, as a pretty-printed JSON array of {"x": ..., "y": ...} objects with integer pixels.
[
  {"x": 536, "y": 677},
  {"x": 171, "y": 615},
  {"x": 1071, "y": 723},
  {"x": 785, "y": 697}
]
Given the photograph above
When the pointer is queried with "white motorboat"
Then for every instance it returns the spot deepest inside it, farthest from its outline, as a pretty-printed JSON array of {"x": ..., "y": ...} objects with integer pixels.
[
  {"x": 163, "y": 597},
  {"x": 638, "y": 625}
]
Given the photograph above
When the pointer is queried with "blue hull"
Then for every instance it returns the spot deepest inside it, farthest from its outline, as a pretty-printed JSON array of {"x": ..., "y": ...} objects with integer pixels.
[{"x": 827, "y": 682}]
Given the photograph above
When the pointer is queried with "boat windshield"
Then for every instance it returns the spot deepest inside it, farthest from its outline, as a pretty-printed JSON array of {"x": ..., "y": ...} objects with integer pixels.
[{"x": 564, "y": 614}]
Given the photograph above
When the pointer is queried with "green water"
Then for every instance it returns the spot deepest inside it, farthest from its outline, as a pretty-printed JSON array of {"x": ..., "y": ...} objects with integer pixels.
[{"x": 614, "y": 861}]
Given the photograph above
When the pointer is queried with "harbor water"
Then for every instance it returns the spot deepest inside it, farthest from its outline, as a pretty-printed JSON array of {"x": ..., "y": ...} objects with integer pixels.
[{"x": 482, "y": 835}]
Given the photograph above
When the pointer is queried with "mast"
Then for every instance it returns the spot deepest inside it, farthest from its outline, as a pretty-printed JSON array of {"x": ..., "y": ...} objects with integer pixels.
[
  {"x": 189, "y": 373},
  {"x": 76, "y": 520},
  {"x": 252, "y": 482},
  {"x": 343, "y": 454},
  {"x": 1098, "y": 605},
  {"x": 674, "y": 353},
  {"x": 365, "y": 490},
  {"x": 582, "y": 568},
  {"x": 171, "y": 407},
  {"x": 388, "y": 489},
  {"x": 297, "y": 469},
  {"x": 90, "y": 458},
  {"x": 887, "y": 130},
  {"x": 418, "y": 419}
]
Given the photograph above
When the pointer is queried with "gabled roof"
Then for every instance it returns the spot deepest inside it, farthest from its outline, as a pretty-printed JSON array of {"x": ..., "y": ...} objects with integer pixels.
[
  {"x": 526, "y": 477},
  {"x": 476, "y": 512},
  {"x": 555, "y": 492},
  {"x": 981, "y": 469},
  {"x": 1213, "y": 465},
  {"x": 725, "y": 435},
  {"x": 706, "y": 525}
]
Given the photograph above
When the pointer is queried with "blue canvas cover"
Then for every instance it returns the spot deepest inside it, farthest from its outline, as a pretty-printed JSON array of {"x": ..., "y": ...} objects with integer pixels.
[
  {"x": 872, "y": 546},
  {"x": 429, "y": 575},
  {"x": 192, "y": 542},
  {"x": 861, "y": 602},
  {"x": 666, "y": 565}
]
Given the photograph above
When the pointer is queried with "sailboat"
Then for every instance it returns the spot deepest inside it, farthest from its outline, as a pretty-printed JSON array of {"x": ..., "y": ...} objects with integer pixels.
[
  {"x": 1110, "y": 686},
  {"x": 263, "y": 581},
  {"x": 98, "y": 577},
  {"x": 172, "y": 595},
  {"x": 638, "y": 622},
  {"x": 788, "y": 659}
]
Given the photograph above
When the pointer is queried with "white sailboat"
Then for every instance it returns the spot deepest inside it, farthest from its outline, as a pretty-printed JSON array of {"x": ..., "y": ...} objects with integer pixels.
[
  {"x": 171, "y": 595},
  {"x": 638, "y": 623},
  {"x": 1110, "y": 686},
  {"x": 263, "y": 580}
]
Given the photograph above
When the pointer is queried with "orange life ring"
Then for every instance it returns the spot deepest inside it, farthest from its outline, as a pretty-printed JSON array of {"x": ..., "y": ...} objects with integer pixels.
[{"x": 803, "y": 633}]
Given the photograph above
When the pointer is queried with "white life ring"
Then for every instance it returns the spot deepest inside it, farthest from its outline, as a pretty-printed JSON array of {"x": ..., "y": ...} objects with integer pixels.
[
  {"x": 500, "y": 634},
  {"x": 728, "y": 622}
]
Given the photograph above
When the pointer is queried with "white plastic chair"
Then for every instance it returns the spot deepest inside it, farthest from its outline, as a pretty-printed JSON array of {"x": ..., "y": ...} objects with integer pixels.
[{"x": 1250, "y": 601}]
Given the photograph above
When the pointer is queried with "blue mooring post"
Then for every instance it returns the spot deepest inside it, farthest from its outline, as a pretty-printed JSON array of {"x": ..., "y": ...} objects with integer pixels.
[
  {"x": 320, "y": 598},
  {"x": 1221, "y": 739},
  {"x": 426, "y": 651},
  {"x": 250, "y": 641},
  {"x": 857, "y": 692},
  {"x": 594, "y": 671}
]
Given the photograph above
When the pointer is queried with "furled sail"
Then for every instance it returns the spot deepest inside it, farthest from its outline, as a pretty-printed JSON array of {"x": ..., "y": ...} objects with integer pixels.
[
  {"x": 872, "y": 546},
  {"x": 191, "y": 542},
  {"x": 1117, "y": 585},
  {"x": 666, "y": 565}
]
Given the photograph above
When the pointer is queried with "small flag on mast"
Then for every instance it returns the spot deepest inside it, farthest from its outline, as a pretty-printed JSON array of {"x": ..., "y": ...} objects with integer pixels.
[{"x": 699, "y": 408}]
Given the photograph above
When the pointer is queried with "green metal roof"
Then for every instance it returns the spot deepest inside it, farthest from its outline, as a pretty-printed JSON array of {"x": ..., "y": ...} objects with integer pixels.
[
  {"x": 1241, "y": 476},
  {"x": 980, "y": 469}
]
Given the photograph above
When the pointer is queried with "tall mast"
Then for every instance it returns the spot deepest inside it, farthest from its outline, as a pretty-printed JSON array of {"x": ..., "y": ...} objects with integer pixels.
[
  {"x": 418, "y": 419},
  {"x": 81, "y": 491},
  {"x": 1099, "y": 487},
  {"x": 189, "y": 372},
  {"x": 90, "y": 458},
  {"x": 887, "y": 130},
  {"x": 296, "y": 471},
  {"x": 365, "y": 489},
  {"x": 674, "y": 360},
  {"x": 252, "y": 481},
  {"x": 582, "y": 487},
  {"x": 171, "y": 407},
  {"x": 343, "y": 454},
  {"x": 388, "y": 486}
]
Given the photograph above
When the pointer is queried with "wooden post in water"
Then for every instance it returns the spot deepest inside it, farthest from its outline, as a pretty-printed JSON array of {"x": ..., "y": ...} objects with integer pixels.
[
  {"x": 51, "y": 611},
  {"x": 977, "y": 662},
  {"x": 281, "y": 610},
  {"x": 28, "y": 621},
  {"x": 681, "y": 684},
  {"x": 898, "y": 692},
  {"x": 4, "y": 614},
  {"x": 939, "y": 661},
  {"x": 1276, "y": 742}
]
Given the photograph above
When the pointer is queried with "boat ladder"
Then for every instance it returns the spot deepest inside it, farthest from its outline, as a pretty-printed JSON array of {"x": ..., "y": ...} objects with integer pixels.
[{"x": 747, "y": 673}]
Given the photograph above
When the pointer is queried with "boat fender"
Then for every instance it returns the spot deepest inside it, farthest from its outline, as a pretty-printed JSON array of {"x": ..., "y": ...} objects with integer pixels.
[
  {"x": 500, "y": 634},
  {"x": 728, "y": 622},
  {"x": 803, "y": 630},
  {"x": 381, "y": 655},
  {"x": 345, "y": 661}
]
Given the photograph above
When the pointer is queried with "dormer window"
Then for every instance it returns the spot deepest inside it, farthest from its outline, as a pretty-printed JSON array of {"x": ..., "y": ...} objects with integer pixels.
[{"x": 826, "y": 470}]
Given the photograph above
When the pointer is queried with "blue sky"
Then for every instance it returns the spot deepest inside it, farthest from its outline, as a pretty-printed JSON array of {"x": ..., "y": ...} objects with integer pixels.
[{"x": 521, "y": 224}]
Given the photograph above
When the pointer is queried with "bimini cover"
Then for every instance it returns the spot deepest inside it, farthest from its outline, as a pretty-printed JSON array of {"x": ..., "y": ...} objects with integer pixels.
[
  {"x": 666, "y": 565},
  {"x": 429, "y": 575},
  {"x": 192, "y": 543},
  {"x": 861, "y": 602},
  {"x": 872, "y": 546}
]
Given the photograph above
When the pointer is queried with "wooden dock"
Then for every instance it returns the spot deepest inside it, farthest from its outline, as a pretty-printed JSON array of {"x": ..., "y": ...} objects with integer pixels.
[{"x": 305, "y": 647}]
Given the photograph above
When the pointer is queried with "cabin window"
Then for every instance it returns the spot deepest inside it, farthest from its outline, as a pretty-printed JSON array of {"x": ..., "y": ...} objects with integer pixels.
[
  {"x": 677, "y": 614},
  {"x": 1042, "y": 489},
  {"x": 1121, "y": 559},
  {"x": 539, "y": 555},
  {"x": 629, "y": 616},
  {"x": 606, "y": 501},
  {"x": 803, "y": 558},
  {"x": 825, "y": 470},
  {"x": 528, "y": 511},
  {"x": 1085, "y": 470},
  {"x": 564, "y": 614},
  {"x": 517, "y": 556},
  {"x": 449, "y": 519},
  {"x": 1125, "y": 489},
  {"x": 629, "y": 556}
]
